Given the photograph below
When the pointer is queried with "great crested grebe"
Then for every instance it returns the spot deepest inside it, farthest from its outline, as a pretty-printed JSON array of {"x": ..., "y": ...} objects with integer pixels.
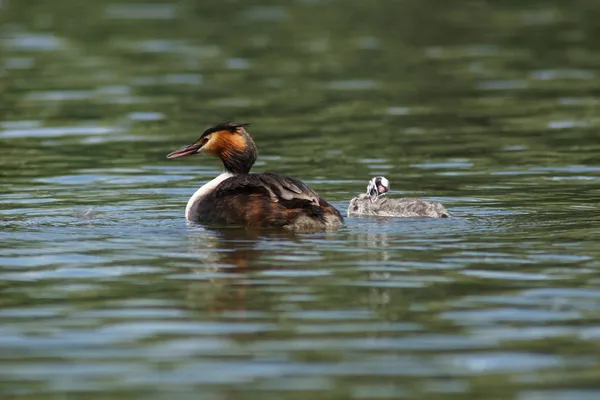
[
  {"x": 238, "y": 197},
  {"x": 376, "y": 203}
]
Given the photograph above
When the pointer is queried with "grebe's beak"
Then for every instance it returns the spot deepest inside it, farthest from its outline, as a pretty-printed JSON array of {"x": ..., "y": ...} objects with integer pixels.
[{"x": 193, "y": 148}]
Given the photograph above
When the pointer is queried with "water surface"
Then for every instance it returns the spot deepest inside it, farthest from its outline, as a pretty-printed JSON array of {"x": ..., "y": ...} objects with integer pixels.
[{"x": 488, "y": 107}]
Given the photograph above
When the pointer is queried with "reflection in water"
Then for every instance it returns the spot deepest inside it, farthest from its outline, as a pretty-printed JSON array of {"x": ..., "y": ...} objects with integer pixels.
[
  {"x": 227, "y": 256},
  {"x": 235, "y": 249},
  {"x": 233, "y": 260},
  {"x": 377, "y": 243}
]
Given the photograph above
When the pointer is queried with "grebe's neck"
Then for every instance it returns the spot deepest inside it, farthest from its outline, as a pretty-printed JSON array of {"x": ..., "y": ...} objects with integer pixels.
[
  {"x": 203, "y": 191},
  {"x": 238, "y": 160}
]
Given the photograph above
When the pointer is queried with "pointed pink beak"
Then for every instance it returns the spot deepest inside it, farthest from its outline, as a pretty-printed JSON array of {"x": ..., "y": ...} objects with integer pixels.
[{"x": 186, "y": 151}]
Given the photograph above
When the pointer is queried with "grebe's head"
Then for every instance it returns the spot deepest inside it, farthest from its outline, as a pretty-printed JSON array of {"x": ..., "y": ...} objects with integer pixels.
[
  {"x": 228, "y": 141},
  {"x": 377, "y": 186}
]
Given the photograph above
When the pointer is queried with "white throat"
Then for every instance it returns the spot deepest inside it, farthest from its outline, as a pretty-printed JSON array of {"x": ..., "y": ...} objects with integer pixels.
[{"x": 204, "y": 190}]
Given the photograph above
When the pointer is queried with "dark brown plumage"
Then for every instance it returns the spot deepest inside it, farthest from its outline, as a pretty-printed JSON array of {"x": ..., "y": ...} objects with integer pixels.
[{"x": 259, "y": 199}]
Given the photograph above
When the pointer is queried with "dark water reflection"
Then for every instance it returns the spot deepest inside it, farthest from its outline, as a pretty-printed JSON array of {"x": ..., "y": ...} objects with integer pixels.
[{"x": 488, "y": 107}]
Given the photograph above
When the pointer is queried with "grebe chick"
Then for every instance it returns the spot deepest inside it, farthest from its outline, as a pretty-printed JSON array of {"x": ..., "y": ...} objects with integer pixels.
[
  {"x": 376, "y": 203},
  {"x": 238, "y": 197}
]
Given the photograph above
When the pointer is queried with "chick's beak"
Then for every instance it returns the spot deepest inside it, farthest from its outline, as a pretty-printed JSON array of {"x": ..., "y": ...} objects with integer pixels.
[
  {"x": 382, "y": 189},
  {"x": 186, "y": 151}
]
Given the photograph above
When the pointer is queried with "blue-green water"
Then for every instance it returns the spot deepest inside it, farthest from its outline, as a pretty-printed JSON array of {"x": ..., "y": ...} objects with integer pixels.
[{"x": 489, "y": 107}]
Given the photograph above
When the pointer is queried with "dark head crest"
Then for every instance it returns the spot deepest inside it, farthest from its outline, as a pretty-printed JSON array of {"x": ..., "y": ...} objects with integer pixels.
[{"x": 225, "y": 126}]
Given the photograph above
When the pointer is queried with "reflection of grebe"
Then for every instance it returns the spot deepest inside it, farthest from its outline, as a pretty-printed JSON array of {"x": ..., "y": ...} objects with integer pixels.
[
  {"x": 375, "y": 203},
  {"x": 238, "y": 197}
]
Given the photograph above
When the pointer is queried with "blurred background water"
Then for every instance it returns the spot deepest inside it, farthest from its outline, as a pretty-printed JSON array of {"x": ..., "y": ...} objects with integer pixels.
[{"x": 490, "y": 107}]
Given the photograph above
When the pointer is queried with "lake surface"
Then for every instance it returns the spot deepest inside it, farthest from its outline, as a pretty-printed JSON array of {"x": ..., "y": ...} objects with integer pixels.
[{"x": 491, "y": 108}]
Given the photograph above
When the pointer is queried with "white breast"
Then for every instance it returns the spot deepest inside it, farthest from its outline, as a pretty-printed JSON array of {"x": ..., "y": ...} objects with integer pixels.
[{"x": 203, "y": 191}]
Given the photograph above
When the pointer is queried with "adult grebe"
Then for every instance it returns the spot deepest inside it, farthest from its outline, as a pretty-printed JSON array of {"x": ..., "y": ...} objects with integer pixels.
[
  {"x": 376, "y": 203},
  {"x": 238, "y": 197}
]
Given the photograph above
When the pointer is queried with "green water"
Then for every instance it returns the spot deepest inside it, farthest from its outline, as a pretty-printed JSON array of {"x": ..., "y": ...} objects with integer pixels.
[{"x": 489, "y": 107}]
